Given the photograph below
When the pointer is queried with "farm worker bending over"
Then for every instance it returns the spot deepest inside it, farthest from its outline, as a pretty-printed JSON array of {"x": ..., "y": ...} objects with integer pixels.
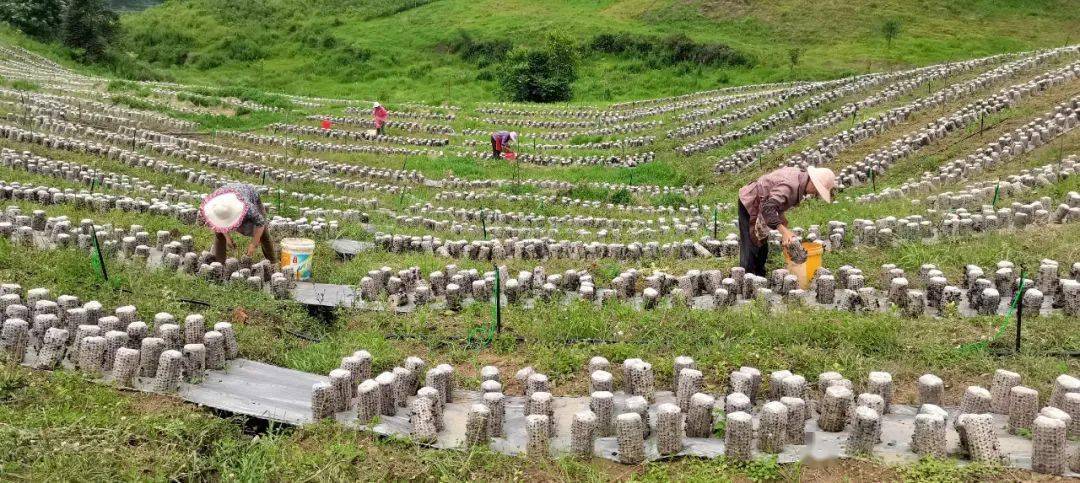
[
  {"x": 762, "y": 205},
  {"x": 236, "y": 207},
  {"x": 379, "y": 115},
  {"x": 500, "y": 141}
]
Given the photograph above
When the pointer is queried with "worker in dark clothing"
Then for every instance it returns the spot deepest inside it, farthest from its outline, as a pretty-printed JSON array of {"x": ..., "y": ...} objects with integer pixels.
[
  {"x": 501, "y": 141},
  {"x": 762, "y": 205}
]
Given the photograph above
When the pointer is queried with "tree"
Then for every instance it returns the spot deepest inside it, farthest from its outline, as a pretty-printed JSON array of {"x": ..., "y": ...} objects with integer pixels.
[
  {"x": 541, "y": 74},
  {"x": 89, "y": 26},
  {"x": 40, "y": 19},
  {"x": 890, "y": 29},
  {"x": 794, "y": 55}
]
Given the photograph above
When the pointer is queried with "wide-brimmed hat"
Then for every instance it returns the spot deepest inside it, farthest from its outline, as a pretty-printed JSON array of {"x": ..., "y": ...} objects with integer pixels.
[
  {"x": 824, "y": 181},
  {"x": 223, "y": 211},
  {"x": 376, "y": 104},
  {"x": 513, "y": 137}
]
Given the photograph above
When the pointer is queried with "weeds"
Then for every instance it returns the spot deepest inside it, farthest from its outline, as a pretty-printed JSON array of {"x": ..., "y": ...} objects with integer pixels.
[{"x": 931, "y": 470}]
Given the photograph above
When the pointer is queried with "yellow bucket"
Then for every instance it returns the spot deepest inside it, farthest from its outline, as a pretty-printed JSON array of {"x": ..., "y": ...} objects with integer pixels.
[
  {"x": 296, "y": 254},
  {"x": 804, "y": 271}
]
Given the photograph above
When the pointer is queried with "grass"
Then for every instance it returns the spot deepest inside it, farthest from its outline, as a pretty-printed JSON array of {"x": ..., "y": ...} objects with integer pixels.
[
  {"x": 92, "y": 432},
  {"x": 399, "y": 53},
  {"x": 391, "y": 51},
  {"x": 556, "y": 340}
]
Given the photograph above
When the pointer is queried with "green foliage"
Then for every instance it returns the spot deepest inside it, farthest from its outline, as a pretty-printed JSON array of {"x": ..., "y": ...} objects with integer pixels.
[
  {"x": 198, "y": 100},
  {"x": 88, "y": 26},
  {"x": 794, "y": 55},
  {"x": 767, "y": 469},
  {"x": 621, "y": 197},
  {"x": 583, "y": 192},
  {"x": 670, "y": 199},
  {"x": 374, "y": 9},
  {"x": 243, "y": 48},
  {"x": 133, "y": 88},
  {"x": 159, "y": 43},
  {"x": 24, "y": 85},
  {"x": 585, "y": 139},
  {"x": 244, "y": 93},
  {"x": 356, "y": 48},
  {"x": 128, "y": 67},
  {"x": 931, "y": 470},
  {"x": 719, "y": 423},
  {"x": 518, "y": 189},
  {"x": 480, "y": 52},
  {"x": 11, "y": 382},
  {"x": 890, "y": 30},
  {"x": 133, "y": 102},
  {"x": 132, "y": 5},
  {"x": 542, "y": 74},
  {"x": 40, "y": 19},
  {"x": 681, "y": 48},
  {"x": 666, "y": 51}
]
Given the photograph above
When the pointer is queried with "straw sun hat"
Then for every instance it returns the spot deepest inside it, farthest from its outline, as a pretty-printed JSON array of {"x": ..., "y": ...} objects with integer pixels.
[
  {"x": 223, "y": 211},
  {"x": 824, "y": 181}
]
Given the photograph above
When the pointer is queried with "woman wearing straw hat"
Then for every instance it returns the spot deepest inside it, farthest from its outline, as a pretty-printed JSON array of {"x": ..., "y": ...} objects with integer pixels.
[
  {"x": 762, "y": 205},
  {"x": 501, "y": 141},
  {"x": 236, "y": 207},
  {"x": 378, "y": 117}
]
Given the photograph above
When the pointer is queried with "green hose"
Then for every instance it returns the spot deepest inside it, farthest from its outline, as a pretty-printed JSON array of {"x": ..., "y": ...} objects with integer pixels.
[{"x": 967, "y": 348}]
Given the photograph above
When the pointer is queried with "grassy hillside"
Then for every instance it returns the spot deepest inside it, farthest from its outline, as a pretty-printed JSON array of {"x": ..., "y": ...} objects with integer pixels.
[{"x": 401, "y": 49}]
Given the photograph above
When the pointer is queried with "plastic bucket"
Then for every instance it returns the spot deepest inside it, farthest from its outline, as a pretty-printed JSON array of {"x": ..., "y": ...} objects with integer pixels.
[
  {"x": 296, "y": 254},
  {"x": 804, "y": 271}
]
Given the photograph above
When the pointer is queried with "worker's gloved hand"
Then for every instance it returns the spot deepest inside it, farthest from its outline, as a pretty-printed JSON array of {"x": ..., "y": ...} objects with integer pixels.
[{"x": 785, "y": 236}]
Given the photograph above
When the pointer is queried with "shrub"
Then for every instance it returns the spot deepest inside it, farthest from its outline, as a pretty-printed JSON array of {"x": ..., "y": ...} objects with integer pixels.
[
  {"x": 890, "y": 30},
  {"x": 248, "y": 94},
  {"x": 129, "y": 67},
  {"x": 621, "y": 43},
  {"x": 354, "y": 54},
  {"x": 481, "y": 52},
  {"x": 621, "y": 197},
  {"x": 160, "y": 43},
  {"x": 541, "y": 74},
  {"x": 680, "y": 48},
  {"x": 206, "y": 60},
  {"x": 667, "y": 51},
  {"x": 243, "y": 49}
]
